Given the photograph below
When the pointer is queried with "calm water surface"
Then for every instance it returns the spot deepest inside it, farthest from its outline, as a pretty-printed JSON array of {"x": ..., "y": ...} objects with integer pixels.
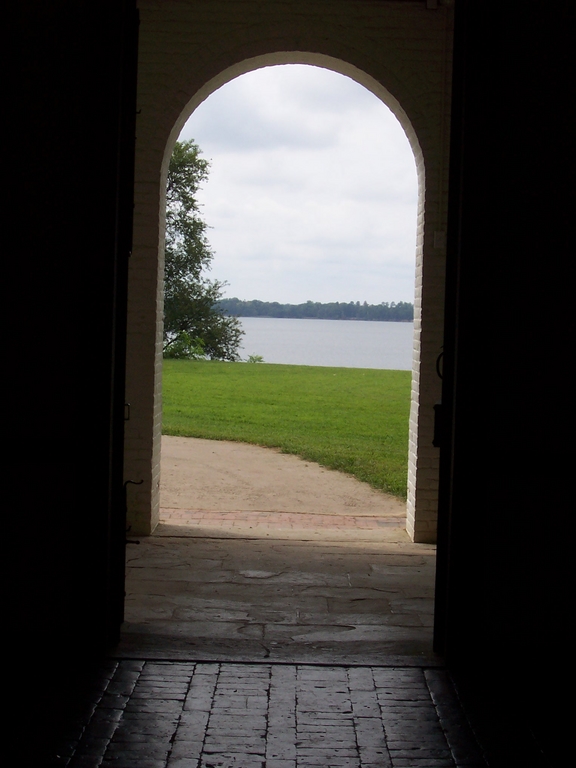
[{"x": 339, "y": 343}]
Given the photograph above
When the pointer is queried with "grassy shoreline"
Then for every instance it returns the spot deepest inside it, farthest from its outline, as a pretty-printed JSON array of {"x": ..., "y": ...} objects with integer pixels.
[{"x": 351, "y": 419}]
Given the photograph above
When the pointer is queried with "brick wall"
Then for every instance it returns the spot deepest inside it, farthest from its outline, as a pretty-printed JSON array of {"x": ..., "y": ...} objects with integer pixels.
[{"x": 401, "y": 51}]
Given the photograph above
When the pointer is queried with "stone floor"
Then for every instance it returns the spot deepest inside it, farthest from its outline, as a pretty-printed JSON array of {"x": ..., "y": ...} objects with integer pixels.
[
  {"x": 277, "y": 640},
  {"x": 241, "y": 599},
  {"x": 150, "y": 714},
  {"x": 254, "y": 640}
]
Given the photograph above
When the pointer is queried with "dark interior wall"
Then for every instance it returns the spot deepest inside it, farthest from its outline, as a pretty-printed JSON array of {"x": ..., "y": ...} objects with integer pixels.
[
  {"x": 505, "y": 471},
  {"x": 71, "y": 242},
  {"x": 71, "y": 222}
]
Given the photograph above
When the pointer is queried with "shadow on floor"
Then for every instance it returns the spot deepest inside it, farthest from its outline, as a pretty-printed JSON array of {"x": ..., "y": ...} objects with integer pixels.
[{"x": 245, "y": 599}]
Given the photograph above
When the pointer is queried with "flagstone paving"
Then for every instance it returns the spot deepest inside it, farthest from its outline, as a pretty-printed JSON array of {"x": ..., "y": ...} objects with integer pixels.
[{"x": 242, "y": 599}]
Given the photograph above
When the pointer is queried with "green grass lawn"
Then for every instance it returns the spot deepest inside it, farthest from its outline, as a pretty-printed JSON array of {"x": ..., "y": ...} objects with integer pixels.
[{"x": 350, "y": 419}]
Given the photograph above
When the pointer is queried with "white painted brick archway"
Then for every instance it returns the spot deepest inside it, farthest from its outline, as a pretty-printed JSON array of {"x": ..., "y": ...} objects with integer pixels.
[{"x": 401, "y": 51}]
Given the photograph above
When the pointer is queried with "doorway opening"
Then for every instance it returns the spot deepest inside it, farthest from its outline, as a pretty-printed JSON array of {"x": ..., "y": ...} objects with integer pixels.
[
  {"x": 144, "y": 363},
  {"x": 312, "y": 193},
  {"x": 380, "y": 580}
]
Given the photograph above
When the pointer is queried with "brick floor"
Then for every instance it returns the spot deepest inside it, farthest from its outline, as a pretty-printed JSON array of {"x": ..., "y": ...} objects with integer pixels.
[
  {"x": 282, "y": 524},
  {"x": 150, "y": 714}
]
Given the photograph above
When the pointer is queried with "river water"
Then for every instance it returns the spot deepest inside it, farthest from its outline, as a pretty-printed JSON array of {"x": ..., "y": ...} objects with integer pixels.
[{"x": 338, "y": 343}]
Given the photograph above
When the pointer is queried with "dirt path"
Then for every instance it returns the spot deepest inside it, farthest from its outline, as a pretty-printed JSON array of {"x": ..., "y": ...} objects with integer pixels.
[{"x": 220, "y": 475}]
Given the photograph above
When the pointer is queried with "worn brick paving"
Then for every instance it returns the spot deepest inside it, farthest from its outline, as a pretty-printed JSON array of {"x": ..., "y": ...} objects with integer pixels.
[
  {"x": 273, "y": 520},
  {"x": 151, "y": 714}
]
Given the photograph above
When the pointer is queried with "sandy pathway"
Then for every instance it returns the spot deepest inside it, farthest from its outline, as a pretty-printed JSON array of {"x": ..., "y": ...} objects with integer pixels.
[
  {"x": 214, "y": 474},
  {"x": 225, "y": 489}
]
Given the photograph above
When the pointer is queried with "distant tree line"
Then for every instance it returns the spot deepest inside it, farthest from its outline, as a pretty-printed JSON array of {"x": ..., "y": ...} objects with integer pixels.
[{"x": 335, "y": 310}]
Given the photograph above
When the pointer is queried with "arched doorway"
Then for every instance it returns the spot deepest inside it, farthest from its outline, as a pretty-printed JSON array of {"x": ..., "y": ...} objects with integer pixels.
[{"x": 166, "y": 101}]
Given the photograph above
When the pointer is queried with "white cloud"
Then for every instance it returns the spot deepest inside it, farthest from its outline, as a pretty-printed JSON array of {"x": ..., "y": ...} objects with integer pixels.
[{"x": 312, "y": 189}]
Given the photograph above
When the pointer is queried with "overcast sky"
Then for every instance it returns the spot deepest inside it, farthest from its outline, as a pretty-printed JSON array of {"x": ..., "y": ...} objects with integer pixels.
[{"x": 312, "y": 190}]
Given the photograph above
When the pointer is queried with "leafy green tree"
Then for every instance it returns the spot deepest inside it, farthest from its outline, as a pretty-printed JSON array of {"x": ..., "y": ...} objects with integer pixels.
[{"x": 194, "y": 325}]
